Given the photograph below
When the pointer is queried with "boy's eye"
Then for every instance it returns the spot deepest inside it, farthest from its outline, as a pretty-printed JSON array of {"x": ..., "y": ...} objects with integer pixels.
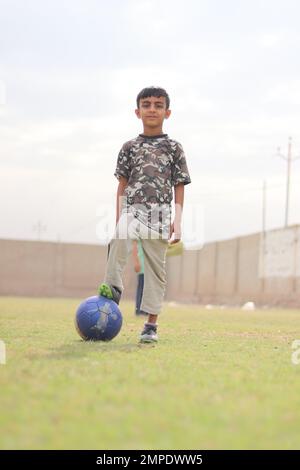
[{"x": 157, "y": 105}]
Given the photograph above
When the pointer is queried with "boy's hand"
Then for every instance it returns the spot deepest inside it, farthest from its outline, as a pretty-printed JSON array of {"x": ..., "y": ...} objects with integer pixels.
[{"x": 176, "y": 230}]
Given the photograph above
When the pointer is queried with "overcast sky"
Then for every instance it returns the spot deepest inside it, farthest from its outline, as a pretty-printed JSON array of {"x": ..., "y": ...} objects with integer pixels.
[{"x": 70, "y": 71}]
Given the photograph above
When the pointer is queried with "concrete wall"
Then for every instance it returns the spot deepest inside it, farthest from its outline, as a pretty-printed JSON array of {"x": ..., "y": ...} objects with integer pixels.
[
  {"x": 206, "y": 281},
  {"x": 248, "y": 281},
  {"x": 54, "y": 269},
  {"x": 264, "y": 269}
]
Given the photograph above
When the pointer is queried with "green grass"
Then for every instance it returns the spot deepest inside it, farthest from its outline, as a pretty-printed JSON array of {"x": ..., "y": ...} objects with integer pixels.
[{"x": 218, "y": 379}]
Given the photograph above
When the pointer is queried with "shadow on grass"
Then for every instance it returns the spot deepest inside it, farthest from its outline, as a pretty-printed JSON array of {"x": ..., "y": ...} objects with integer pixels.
[{"x": 79, "y": 349}]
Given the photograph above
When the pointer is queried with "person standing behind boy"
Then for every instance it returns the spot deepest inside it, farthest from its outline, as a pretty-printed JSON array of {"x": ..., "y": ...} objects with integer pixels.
[{"x": 148, "y": 167}]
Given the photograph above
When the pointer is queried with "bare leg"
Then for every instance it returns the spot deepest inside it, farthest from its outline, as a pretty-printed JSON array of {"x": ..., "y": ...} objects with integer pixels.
[{"x": 152, "y": 318}]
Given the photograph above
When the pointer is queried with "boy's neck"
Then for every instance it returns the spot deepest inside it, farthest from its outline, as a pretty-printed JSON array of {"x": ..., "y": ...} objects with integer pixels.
[{"x": 152, "y": 131}]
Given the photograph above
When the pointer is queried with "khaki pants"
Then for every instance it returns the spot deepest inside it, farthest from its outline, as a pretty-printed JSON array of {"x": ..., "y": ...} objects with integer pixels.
[{"x": 130, "y": 228}]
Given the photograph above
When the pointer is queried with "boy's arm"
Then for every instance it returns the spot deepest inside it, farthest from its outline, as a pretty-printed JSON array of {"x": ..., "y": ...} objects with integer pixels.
[
  {"x": 121, "y": 188},
  {"x": 176, "y": 225}
]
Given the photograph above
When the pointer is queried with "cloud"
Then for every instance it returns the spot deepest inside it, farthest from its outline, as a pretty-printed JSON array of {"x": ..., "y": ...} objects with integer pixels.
[
  {"x": 71, "y": 71},
  {"x": 2, "y": 93},
  {"x": 270, "y": 40},
  {"x": 285, "y": 94}
]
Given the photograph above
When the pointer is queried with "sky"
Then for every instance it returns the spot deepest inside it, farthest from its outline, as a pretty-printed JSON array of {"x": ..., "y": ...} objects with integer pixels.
[{"x": 70, "y": 71}]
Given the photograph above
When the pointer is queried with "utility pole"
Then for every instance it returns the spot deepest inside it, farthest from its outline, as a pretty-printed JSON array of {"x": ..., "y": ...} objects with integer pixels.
[
  {"x": 39, "y": 227},
  {"x": 289, "y": 161}
]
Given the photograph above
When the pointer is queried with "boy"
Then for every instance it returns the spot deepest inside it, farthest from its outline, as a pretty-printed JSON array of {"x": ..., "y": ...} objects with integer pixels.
[
  {"x": 174, "y": 249},
  {"x": 138, "y": 261},
  {"x": 147, "y": 169}
]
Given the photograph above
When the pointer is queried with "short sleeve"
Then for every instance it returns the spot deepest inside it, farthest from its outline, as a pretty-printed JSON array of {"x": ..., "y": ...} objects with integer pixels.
[
  {"x": 123, "y": 163},
  {"x": 180, "y": 172}
]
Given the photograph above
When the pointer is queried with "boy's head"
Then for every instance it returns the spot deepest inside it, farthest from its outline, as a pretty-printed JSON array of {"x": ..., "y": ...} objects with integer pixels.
[
  {"x": 152, "y": 108},
  {"x": 153, "y": 91}
]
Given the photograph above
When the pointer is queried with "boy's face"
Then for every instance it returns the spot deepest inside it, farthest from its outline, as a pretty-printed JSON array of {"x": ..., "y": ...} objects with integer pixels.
[{"x": 152, "y": 111}]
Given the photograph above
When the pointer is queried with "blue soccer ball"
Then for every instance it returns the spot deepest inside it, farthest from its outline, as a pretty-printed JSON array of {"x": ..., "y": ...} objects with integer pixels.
[{"x": 98, "y": 318}]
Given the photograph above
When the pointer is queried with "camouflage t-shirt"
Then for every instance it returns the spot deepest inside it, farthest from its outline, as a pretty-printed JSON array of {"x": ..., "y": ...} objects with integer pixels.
[{"x": 152, "y": 166}]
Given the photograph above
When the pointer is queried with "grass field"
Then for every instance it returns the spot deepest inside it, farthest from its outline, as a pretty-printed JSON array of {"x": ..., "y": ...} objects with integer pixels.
[{"x": 218, "y": 379}]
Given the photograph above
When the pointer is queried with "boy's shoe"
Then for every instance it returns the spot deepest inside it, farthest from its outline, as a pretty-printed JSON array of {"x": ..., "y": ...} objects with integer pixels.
[
  {"x": 149, "y": 334},
  {"x": 111, "y": 292}
]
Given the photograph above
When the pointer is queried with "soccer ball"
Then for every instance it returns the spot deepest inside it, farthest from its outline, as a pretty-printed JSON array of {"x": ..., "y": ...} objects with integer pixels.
[{"x": 98, "y": 318}]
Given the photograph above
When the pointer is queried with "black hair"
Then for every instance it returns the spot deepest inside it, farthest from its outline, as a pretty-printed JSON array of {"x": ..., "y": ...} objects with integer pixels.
[{"x": 153, "y": 91}]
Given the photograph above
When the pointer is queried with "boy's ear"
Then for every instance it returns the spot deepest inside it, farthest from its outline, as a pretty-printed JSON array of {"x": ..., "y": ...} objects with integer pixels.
[
  {"x": 137, "y": 112},
  {"x": 168, "y": 113}
]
